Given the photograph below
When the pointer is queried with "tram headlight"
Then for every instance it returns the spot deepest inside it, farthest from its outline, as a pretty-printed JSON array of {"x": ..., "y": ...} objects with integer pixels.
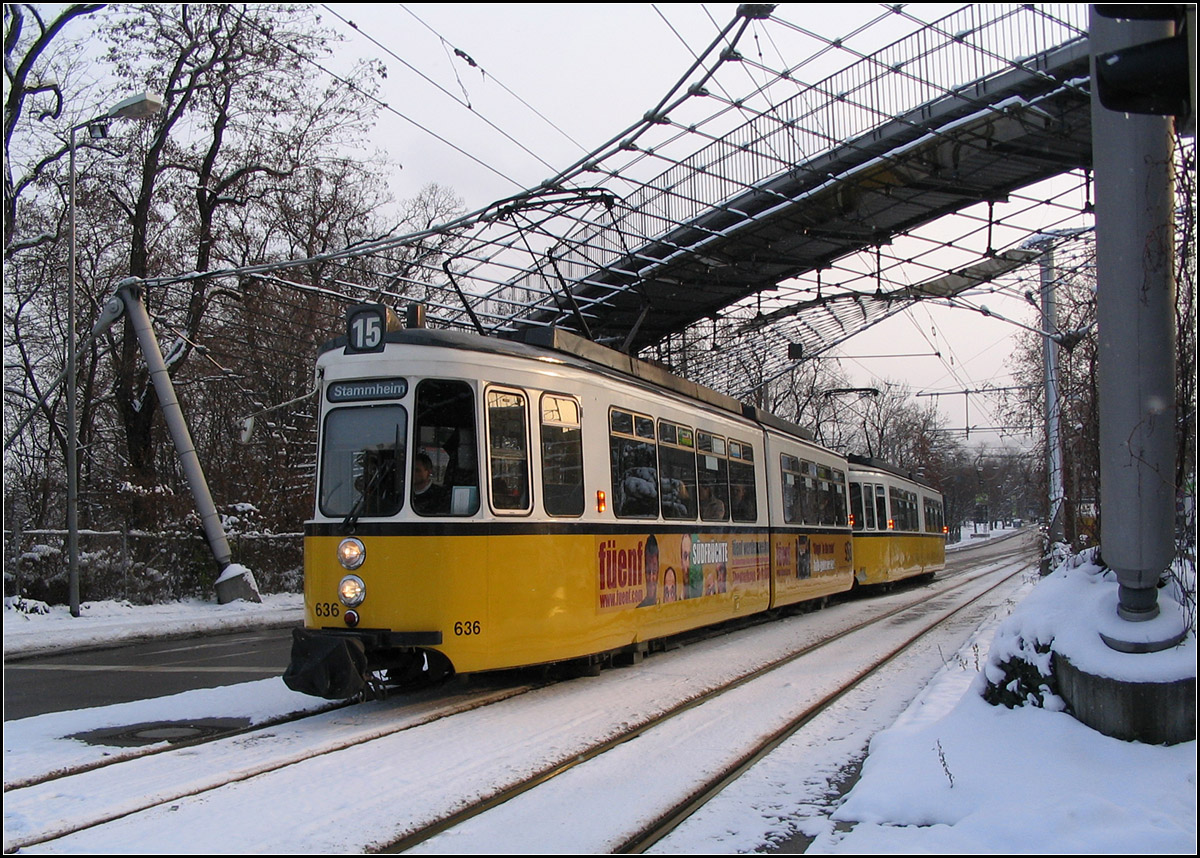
[
  {"x": 352, "y": 590},
  {"x": 351, "y": 553}
]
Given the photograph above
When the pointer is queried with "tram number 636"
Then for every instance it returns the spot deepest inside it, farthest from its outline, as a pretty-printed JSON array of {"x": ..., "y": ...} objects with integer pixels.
[{"x": 466, "y": 629}]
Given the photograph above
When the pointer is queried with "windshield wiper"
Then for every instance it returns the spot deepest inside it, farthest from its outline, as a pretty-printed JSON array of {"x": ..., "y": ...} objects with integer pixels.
[{"x": 351, "y": 518}]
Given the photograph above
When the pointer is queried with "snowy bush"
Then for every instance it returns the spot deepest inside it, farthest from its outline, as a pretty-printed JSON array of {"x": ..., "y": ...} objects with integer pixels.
[
  {"x": 151, "y": 568},
  {"x": 25, "y": 606},
  {"x": 1024, "y": 678}
]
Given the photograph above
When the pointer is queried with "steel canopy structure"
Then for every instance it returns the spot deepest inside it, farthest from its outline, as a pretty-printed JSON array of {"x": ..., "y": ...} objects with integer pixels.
[
  {"x": 844, "y": 165},
  {"x": 774, "y": 209}
]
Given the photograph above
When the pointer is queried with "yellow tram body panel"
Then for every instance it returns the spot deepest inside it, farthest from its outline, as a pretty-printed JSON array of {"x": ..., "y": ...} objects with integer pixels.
[
  {"x": 880, "y": 557},
  {"x": 810, "y": 566},
  {"x": 508, "y": 600}
]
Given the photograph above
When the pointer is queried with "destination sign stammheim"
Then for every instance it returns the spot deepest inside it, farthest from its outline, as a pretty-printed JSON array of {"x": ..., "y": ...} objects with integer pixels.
[{"x": 374, "y": 388}]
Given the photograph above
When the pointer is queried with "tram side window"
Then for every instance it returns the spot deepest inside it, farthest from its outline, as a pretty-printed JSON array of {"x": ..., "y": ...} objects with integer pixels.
[
  {"x": 508, "y": 450},
  {"x": 933, "y": 515},
  {"x": 634, "y": 458},
  {"x": 713, "y": 470},
  {"x": 562, "y": 456},
  {"x": 830, "y": 497},
  {"x": 810, "y": 500},
  {"x": 904, "y": 509},
  {"x": 445, "y": 441},
  {"x": 362, "y": 461},
  {"x": 792, "y": 488},
  {"x": 881, "y": 514},
  {"x": 868, "y": 505},
  {"x": 856, "y": 506},
  {"x": 743, "y": 499},
  {"x": 677, "y": 470},
  {"x": 839, "y": 498}
]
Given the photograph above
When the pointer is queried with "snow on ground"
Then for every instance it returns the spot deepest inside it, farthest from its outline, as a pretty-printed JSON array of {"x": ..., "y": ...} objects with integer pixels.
[
  {"x": 952, "y": 775},
  {"x": 34, "y": 627},
  {"x": 955, "y": 774}
]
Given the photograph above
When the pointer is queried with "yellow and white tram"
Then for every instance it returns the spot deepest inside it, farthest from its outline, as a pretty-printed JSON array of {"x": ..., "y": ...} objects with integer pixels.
[
  {"x": 899, "y": 524},
  {"x": 486, "y": 503}
]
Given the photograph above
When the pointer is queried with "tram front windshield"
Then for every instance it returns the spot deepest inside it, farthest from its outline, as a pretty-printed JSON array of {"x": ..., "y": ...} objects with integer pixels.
[{"x": 362, "y": 461}]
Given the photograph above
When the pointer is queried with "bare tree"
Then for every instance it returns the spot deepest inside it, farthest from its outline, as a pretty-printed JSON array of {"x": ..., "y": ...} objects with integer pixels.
[
  {"x": 31, "y": 76},
  {"x": 247, "y": 127}
]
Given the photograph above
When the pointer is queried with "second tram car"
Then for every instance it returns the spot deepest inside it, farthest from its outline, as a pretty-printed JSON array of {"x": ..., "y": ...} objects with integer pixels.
[
  {"x": 485, "y": 503},
  {"x": 898, "y": 522}
]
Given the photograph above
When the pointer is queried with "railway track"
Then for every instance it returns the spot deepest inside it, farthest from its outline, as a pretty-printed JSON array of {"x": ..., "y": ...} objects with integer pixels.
[
  {"x": 695, "y": 776},
  {"x": 474, "y": 755}
]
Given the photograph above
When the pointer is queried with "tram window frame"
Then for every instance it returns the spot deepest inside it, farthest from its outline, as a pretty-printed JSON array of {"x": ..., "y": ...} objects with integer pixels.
[
  {"x": 677, "y": 465},
  {"x": 792, "y": 484},
  {"x": 881, "y": 509},
  {"x": 629, "y": 442},
  {"x": 840, "y": 514},
  {"x": 508, "y": 464},
  {"x": 810, "y": 493},
  {"x": 444, "y": 431},
  {"x": 353, "y": 464},
  {"x": 904, "y": 509},
  {"x": 712, "y": 462},
  {"x": 857, "y": 519},
  {"x": 562, "y": 455},
  {"x": 934, "y": 514},
  {"x": 869, "y": 506},
  {"x": 741, "y": 466}
]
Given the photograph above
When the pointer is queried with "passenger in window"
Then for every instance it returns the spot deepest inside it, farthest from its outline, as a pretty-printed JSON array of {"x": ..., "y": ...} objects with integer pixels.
[
  {"x": 743, "y": 503},
  {"x": 428, "y": 497},
  {"x": 712, "y": 508}
]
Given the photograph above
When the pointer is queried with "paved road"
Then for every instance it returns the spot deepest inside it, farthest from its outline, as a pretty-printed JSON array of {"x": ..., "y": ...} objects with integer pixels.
[{"x": 56, "y": 683}]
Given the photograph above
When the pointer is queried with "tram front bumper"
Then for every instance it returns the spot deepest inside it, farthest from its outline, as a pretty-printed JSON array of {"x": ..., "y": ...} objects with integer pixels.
[{"x": 333, "y": 666}]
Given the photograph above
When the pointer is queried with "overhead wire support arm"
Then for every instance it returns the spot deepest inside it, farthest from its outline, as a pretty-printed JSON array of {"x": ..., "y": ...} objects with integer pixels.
[{"x": 466, "y": 304}]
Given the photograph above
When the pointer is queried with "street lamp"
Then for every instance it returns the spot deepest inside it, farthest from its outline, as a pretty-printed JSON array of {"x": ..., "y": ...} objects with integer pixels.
[{"x": 135, "y": 107}]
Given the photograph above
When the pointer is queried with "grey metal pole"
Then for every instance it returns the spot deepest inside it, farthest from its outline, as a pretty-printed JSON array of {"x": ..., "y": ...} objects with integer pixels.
[
  {"x": 72, "y": 430},
  {"x": 1135, "y": 311},
  {"x": 135, "y": 312},
  {"x": 1054, "y": 453}
]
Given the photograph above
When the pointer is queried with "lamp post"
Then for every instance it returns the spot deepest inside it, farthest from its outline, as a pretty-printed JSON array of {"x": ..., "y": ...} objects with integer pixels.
[{"x": 135, "y": 107}]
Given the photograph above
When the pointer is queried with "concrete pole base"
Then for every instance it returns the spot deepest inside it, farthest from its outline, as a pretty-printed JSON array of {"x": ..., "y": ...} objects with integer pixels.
[
  {"x": 1157, "y": 713},
  {"x": 237, "y": 582}
]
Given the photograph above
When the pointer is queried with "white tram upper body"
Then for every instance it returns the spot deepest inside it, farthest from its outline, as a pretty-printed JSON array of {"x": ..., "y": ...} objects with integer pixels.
[{"x": 581, "y": 503}]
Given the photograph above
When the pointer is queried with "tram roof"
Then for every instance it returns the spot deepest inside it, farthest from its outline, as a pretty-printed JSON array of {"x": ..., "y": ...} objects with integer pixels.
[{"x": 864, "y": 462}]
